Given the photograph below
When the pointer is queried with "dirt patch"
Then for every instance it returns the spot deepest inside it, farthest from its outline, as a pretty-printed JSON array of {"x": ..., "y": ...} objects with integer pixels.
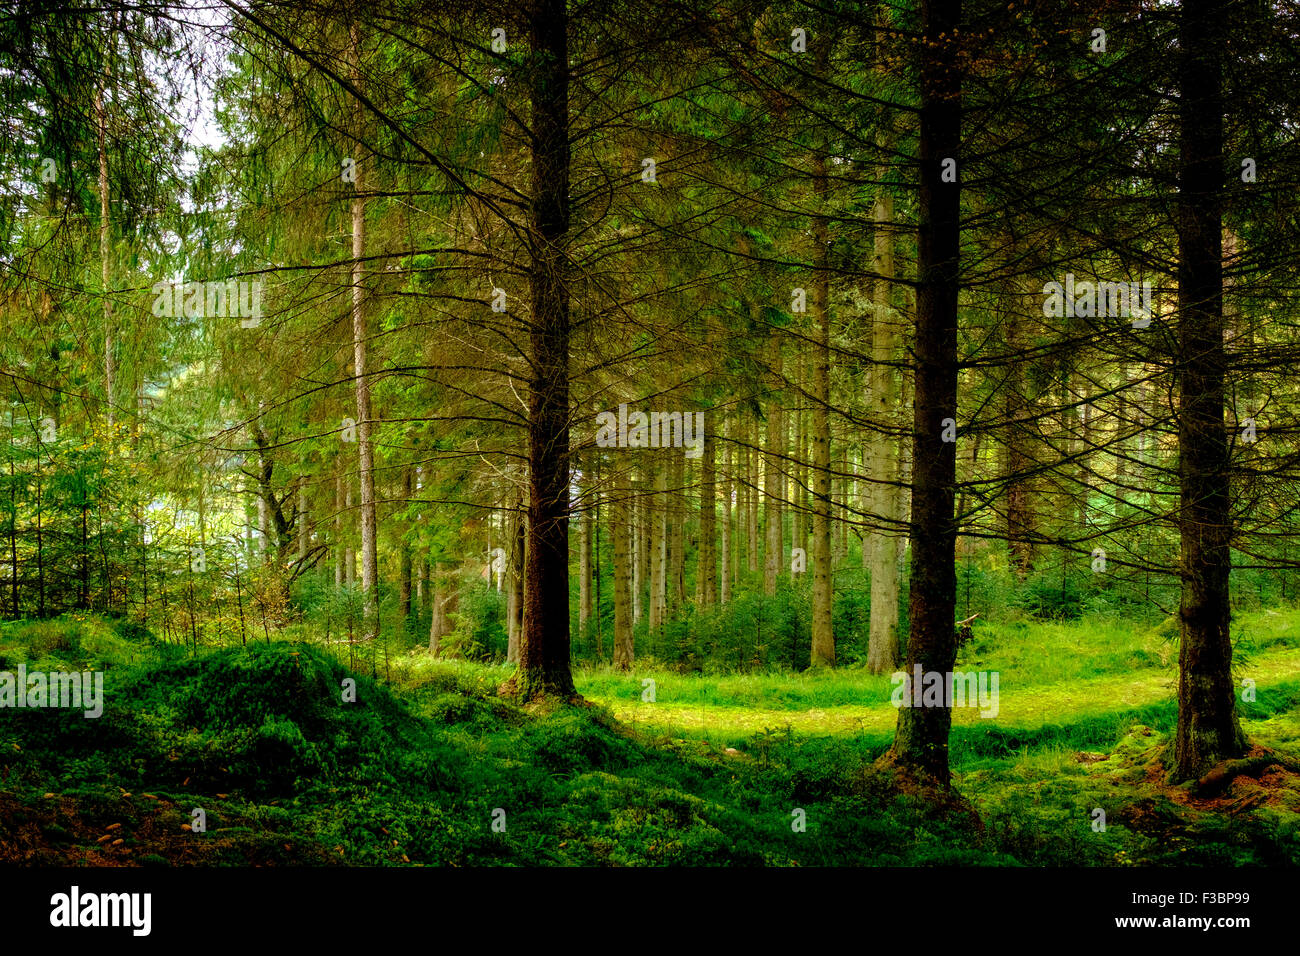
[{"x": 137, "y": 830}]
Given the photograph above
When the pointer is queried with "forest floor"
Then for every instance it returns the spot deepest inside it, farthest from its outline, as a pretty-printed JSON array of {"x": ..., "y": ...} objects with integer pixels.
[{"x": 432, "y": 768}]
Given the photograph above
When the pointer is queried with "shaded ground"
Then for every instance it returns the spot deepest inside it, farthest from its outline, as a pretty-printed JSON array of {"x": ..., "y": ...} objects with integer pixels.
[{"x": 436, "y": 770}]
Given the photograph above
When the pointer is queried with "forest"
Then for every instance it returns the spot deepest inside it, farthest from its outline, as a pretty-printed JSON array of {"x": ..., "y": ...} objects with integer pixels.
[{"x": 579, "y": 433}]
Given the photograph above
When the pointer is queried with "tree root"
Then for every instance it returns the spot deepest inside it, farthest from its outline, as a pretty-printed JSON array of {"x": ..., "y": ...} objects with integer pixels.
[{"x": 1220, "y": 776}]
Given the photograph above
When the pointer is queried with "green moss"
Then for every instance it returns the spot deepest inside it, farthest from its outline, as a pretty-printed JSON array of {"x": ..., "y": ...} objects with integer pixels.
[{"x": 416, "y": 770}]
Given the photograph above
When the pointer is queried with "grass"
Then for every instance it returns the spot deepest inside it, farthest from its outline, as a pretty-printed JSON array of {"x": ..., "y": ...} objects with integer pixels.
[
  {"x": 426, "y": 768},
  {"x": 1049, "y": 674}
]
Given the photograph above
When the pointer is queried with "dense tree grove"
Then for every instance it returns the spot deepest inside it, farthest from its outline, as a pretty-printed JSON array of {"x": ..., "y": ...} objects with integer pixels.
[{"x": 733, "y": 337}]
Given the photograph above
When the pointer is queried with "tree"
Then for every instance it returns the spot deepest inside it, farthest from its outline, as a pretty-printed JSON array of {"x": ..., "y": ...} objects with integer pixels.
[
  {"x": 921, "y": 739},
  {"x": 1208, "y": 730}
]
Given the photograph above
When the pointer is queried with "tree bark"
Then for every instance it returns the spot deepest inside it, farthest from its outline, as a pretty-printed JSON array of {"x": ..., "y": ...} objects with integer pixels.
[
  {"x": 584, "y": 561},
  {"x": 437, "y": 618},
  {"x": 544, "y": 662},
  {"x": 728, "y": 562},
  {"x": 636, "y": 518},
  {"x": 774, "y": 483},
  {"x": 881, "y": 545},
  {"x": 751, "y": 463},
  {"x": 360, "y": 337},
  {"x": 349, "y": 554},
  {"x": 707, "y": 571},
  {"x": 621, "y": 529},
  {"x": 1018, "y": 517},
  {"x": 921, "y": 739},
  {"x": 105, "y": 254},
  {"x": 800, "y": 512},
  {"x": 1208, "y": 728},
  {"x": 658, "y": 551},
  {"x": 340, "y": 551},
  {"x": 517, "y": 551},
  {"x": 407, "y": 567},
  {"x": 823, "y": 636}
]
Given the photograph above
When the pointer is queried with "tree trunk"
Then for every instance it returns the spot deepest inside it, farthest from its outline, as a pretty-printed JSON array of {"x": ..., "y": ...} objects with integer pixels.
[
  {"x": 437, "y": 621},
  {"x": 728, "y": 563},
  {"x": 707, "y": 572},
  {"x": 774, "y": 483},
  {"x": 658, "y": 551},
  {"x": 518, "y": 551},
  {"x": 1208, "y": 729},
  {"x": 365, "y": 450},
  {"x": 823, "y": 636},
  {"x": 677, "y": 569},
  {"x": 635, "y": 512},
  {"x": 340, "y": 550},
  {"x": 741, "y": 476},
  {"x": 544, "y": 656},
  {"x": 105, "y": 254},
  {"x": 1018, "y": 518},
  {"x": 621, "y": 529},
  {"x": 407, "y": 567},
  {"x": 349, "y": 554},
  {"x": 751, "y": 468},
  {"x": 15, "y": 606},
  {"x": 799, "y": 472},
  {"x": 584, "y": 561},
  {"x": 921, "y": 739},
  {"x": 301, "y": 519}
]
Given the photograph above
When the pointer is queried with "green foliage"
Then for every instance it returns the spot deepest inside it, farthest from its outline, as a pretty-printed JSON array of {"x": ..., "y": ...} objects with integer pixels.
[{"x": 413, "y": 771}]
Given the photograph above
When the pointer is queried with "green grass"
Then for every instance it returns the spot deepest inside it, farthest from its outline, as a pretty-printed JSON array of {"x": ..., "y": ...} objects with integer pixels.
[
  {"x": 416, "y": 769},
  {"x": 1050, "y": 673}
]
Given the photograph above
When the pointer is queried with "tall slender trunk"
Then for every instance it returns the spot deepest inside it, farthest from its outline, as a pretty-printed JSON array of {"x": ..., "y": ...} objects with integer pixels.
[
  {"x": 1018, "y": 518},
  {"x": 751, "y": 470},
  {"x": 1208, "y": 728},
  {"x": 340, "y": 551},
  {"x": 621, "y": 531},
  {"x": 741, "y": 477},
  {"x": 349, "y": 555},
  {"x": 40, "y": 552},
  {"x": 83, "y": 595},
  {"x": 921, "y": 739},
  {"x": 518, "y": 547},
  {"x": 823, "y": 636},
  {"x": 301, "y": 518},
  {"x": 360, "y": 335},
  {"x": 105, "y": 254},
  {"x": 884, "y": 455},
  {"x": 422, "y": 583},
  {"x": 437, "y": 620},
  {"x": 707, "y": 572},
  {"x": 774, "y": 484},
  {"x": 407, "y": 565},
  {"x": 728, "y": 563},
  {"x": 584, "y": 564},
  {"x": 659, "y": 550},
  {"x": 544, "y": 666},
  {"x": 263, "y": 515},
  {"x": 15, "y": 607},
  {"x": 799, "y": 471},
  {"x": 636, "y": 519},
  {"x": 677, "y": 546}
]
